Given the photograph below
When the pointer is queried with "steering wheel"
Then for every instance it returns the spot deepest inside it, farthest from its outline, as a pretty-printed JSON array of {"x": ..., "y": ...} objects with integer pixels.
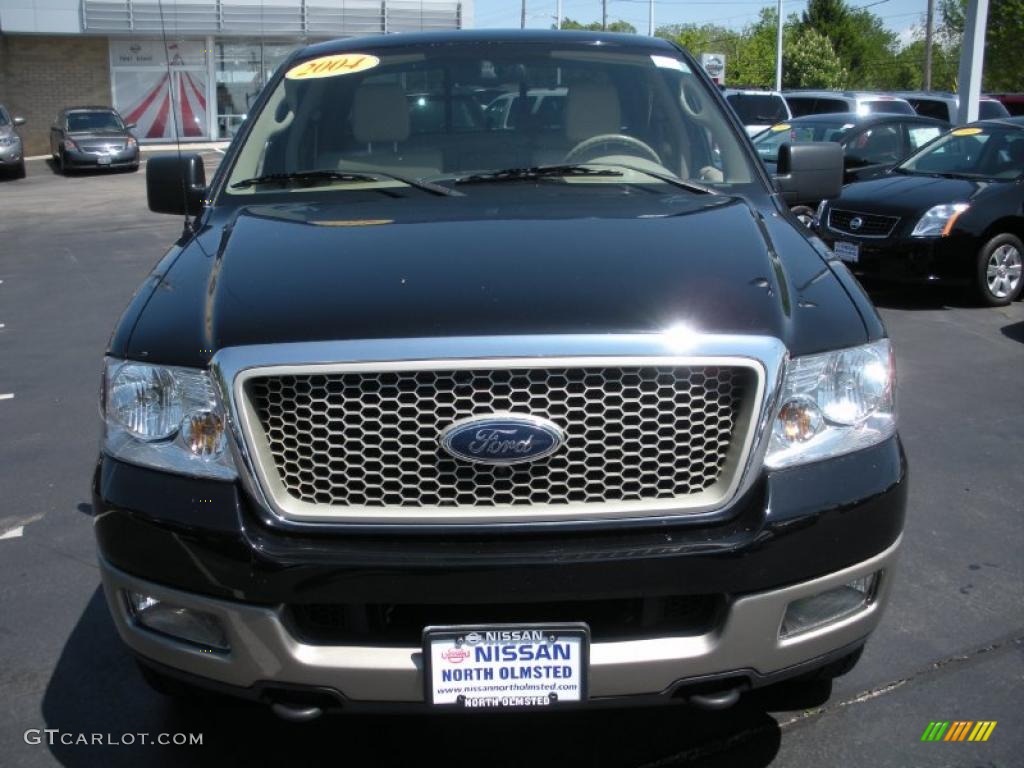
[{"x": 580, "y": 150}]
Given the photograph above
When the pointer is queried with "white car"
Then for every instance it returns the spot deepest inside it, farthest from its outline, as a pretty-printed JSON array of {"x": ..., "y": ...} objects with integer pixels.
[
  {"x": 861, "y": 102},
  {"x": 757, "y": 109},
  {"x": 945, "y": 106}
]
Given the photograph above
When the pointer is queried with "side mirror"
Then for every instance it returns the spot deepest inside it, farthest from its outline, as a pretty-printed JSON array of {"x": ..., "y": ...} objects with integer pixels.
[
  {"x": 812, "y": 171},
  {"x": 19, "y": 121},
  {"x": 129, "y": 126},
  {"x": 175, "y": 184}
]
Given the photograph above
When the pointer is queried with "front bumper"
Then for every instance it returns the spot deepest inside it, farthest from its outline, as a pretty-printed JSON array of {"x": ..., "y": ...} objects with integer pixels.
[
  {"x": 128, "y": 158},
  {"x": 900, "y": 258},
  {"x": 746, "y": 644},
  {"x": 793, "y": 533},
  {"x": 11, "y": 154}
]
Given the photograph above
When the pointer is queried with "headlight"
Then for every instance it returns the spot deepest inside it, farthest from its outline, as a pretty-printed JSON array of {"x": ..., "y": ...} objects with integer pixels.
[
  {"x": 8, "y": 141},
  {"x": 165, "y": 417},
  {"x": 938, "y": 221},
  {"x": 834, "y": 403},
  {"x": 132, "y": 142}
]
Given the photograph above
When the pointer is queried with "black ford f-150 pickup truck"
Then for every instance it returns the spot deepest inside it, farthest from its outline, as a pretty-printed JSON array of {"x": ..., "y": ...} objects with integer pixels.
[{"x": 429, "y": 409}]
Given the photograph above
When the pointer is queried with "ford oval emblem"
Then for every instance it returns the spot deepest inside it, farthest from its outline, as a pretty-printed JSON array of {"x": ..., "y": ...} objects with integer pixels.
[
  {"x": 502, "y": 438},
  {"x": 856, "y": 222}
]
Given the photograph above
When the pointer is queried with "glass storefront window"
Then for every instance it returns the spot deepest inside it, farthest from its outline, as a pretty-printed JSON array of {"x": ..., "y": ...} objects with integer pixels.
[
  {"x": 241, "y": 70},
  {"x": 162, "y": 104}
]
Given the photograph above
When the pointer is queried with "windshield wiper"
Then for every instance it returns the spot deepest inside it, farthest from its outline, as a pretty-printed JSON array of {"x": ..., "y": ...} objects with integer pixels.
[
  {"x": 532, "y": 173},
  {"x": 312, "y": 177},
  {"x": 937, "y": 174},
  {"x": 668, "y": 178},
  {"x": 542, "y": 171}
]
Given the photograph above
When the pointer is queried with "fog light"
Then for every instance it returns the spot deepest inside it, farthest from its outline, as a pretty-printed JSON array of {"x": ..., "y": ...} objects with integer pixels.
[
  {"x": 197, "y": 627},
  {"x": 826, "y": 607}
]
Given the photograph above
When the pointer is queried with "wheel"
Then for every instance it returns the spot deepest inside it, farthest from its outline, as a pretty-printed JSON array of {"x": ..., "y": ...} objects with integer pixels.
[
  {"x": 62, "y": 166},
  {"x": 804, "y": 215},
  {"x": 1000, "y": 263},
  {"x": 19, "y": 172},
  {"x": 578, "y": 153}
]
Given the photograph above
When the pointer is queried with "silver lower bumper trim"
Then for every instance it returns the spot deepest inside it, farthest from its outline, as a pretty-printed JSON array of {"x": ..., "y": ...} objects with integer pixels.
[{"x": 262, "y": 649}]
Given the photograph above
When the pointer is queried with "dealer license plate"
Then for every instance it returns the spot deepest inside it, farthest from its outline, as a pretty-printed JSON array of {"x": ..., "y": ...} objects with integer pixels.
[
  {"x": 103, "y": 160},
  {"x": 848, "y": 252},
  {"x": 506, "y": 666}
]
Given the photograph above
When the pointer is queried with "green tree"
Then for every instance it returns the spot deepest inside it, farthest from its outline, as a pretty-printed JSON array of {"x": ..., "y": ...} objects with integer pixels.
[
  {"x": 595, "y": 26},
  {"x": 1004, "y": 41},
  {"x": 907, "y": 74},
  {"x": 809, "y": 61},
  {"x": 866, "y": 49},
  {"x": 754, "y": 61}
]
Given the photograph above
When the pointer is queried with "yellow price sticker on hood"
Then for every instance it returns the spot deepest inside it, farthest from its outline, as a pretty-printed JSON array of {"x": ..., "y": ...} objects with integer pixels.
[
  {"x": 332, "y": 66},
  {"x": 781, "y": 127},
  {"x": 351, "y": 222},
  {"x": 967, "y": 131}
]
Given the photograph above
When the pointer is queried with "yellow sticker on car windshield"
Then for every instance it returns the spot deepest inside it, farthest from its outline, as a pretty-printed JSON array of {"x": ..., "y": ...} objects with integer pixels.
[
  {"x": 967, "y": 131},
  {"x": 781, "y": 127},
  {"x": 332, "y": 66}
]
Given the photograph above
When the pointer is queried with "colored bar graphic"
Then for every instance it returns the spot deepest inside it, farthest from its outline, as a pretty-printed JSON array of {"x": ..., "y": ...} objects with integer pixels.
[{"x": 958, "y": 730}]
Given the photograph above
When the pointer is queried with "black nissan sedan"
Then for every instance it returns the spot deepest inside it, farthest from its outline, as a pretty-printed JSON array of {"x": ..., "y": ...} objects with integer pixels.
[
  {"x": 951, "y": 213},
  {"x": 92, "y": 137}
]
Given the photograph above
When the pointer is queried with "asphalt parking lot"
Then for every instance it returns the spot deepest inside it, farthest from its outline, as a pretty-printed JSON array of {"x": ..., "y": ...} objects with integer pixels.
[{"x": 951, "y": 647}]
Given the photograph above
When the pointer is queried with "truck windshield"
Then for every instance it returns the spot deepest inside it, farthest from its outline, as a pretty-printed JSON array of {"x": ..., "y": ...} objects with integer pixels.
[
  {"x": 442, "y": 112},
  {"x": 971, "y": 152}
]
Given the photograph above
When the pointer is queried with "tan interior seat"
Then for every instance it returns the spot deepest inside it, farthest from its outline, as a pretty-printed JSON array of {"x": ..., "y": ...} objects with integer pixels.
[
  {"x": 592, "y": 110},
  {"x": 380, "y": 126}
]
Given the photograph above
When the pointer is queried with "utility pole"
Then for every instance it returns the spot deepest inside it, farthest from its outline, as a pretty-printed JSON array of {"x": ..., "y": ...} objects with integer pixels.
[
  {"x": 650, "y": 19},
  {"x": 972, "y": 60},
  {"x": 929, "y": 41},
  {"x": 558, "y": 14},
  {"x": 604, "y": 14},
  {"x": 778, "y": 52},
  {"x": 522, "y": 18}
]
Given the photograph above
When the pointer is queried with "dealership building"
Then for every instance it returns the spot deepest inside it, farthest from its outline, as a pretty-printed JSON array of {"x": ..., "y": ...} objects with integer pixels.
[{"x": 61, "y": 53}]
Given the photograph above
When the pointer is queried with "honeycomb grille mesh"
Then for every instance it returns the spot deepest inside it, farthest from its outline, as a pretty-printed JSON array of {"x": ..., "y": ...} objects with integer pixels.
[{"x": 371, "y": 439}]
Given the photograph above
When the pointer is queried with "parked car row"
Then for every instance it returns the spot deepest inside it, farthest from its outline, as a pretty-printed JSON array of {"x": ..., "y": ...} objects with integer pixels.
[
  {"x": 80, "y": 137},
  {"x": 759, "y": 109},
  {"x": 950, "y": 213},
  {"x": 871, "y": 143},
  {"x": 12, "y": 157}
]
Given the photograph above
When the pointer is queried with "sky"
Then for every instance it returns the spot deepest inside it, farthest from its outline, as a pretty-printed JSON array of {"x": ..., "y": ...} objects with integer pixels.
[{"x": 898, "y": 15}]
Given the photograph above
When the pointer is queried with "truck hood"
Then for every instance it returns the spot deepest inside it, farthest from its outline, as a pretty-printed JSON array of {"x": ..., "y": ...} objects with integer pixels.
[{"x": 278, "y": 274}]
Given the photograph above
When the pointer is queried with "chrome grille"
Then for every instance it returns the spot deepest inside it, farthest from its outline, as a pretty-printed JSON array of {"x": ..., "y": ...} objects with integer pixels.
[
  {"x": 106, "y": 147},
  {"x": 370, "y": 439},
  {"x": 872, "y": 224}
]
